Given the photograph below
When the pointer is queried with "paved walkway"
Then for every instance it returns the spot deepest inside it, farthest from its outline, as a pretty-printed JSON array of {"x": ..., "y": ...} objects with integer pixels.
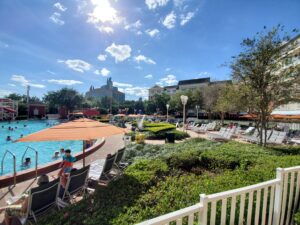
[{"x": 112, "y": 144}]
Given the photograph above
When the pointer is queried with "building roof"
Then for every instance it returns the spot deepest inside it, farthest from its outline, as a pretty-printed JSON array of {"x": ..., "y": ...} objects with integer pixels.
[
  {"x": 172, "y": 86},
  {"x": 194, "y": 81},
  {"x": 221, "y": 82}
]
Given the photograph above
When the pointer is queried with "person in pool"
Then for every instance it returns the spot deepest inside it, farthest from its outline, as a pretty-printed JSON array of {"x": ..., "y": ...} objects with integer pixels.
[
  {"x": 62, "y": 152},
  {"x": 67, "y": 163},
  {"x": 8, "y": 138},
  {"x": 56, "y": 155}
]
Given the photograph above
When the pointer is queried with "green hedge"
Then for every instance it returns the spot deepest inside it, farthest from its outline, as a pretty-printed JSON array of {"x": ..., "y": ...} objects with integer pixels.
[{"x": 164, "y": 178}]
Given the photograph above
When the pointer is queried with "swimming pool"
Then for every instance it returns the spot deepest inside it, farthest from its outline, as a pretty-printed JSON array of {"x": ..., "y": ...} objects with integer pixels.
[{"x": 45, "y": 149}]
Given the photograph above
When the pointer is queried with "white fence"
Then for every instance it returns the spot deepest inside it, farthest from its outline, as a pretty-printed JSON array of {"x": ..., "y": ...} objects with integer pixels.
[{"x": 269, "y": 203}]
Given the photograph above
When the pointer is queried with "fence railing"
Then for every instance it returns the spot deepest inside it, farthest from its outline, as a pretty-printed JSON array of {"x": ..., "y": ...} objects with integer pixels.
[{"x": 268, "y": 203}]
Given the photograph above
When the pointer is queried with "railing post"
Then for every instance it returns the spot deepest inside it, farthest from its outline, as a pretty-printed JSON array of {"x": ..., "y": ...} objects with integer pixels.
[
  {"x": 278, "y": 196},
  {"x": 203, "y": 211}
]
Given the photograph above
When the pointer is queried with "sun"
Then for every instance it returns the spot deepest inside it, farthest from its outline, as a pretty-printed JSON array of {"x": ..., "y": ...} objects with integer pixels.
[{"x": 103, "y": 12}]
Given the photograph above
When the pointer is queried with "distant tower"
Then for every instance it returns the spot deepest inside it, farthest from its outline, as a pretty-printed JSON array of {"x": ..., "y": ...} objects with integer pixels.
[{"x": 109, "y": 83}]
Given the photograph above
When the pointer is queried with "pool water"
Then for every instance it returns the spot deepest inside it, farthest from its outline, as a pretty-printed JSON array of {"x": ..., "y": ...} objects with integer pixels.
[{"x": 45, "y": 149}]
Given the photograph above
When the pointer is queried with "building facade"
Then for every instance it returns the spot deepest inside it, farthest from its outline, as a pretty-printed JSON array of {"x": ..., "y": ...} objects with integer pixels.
[
  {"x": 185, "y": 85},
  {"x": 107, "y": 90},
  {"x": 291, "y": 57}
]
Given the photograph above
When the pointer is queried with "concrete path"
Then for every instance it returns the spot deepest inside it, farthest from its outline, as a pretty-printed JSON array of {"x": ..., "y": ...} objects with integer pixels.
[{"x": 112, "y": 144}]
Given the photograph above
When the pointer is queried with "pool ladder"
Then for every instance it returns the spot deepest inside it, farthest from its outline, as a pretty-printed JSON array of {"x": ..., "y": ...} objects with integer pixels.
[{"x": 14, "y": 162}]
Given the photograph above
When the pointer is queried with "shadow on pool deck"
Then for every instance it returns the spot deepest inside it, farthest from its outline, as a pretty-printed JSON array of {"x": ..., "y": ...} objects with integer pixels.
[{"x": 112, "y": 144}]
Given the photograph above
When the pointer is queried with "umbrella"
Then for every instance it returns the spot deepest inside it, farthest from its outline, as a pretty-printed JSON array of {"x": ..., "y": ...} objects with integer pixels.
[{"x": 80, "y": 129}]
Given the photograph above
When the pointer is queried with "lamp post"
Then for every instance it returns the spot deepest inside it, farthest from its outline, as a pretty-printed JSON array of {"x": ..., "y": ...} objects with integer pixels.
[
  {"x": 184, "y": 100},
  {"x": 167, "y": 105},
  {"x": 197, "y": 108}
]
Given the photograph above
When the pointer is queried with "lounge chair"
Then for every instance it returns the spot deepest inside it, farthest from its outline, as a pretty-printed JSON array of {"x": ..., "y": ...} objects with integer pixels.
[
  {"x": 118, "y": 165},
  {"x": 220, "y": 133},
  {"x": 76, "y": 184},
  {"x": 227, "y": 135},
  {"x": 40, "y": 200},
  {"x": 100, "y": 169}
]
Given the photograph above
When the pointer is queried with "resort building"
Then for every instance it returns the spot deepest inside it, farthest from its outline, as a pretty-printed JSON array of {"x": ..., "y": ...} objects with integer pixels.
[
  {"x": 291, "y": 57},
  {"x": 185, "y": 85},
  {"x": 8, "y": 109},
  {"x": 107, "y": 90}
]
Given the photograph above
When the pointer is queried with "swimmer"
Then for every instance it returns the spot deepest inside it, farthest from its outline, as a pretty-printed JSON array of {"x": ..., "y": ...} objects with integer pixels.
[
  {"x": 62, "y": 151},
  {"x": 8, "y": 138},
  {"x": 25, "y": 125},
  {"x": 21, "y": 135},
  {"x": 27, "y": 161},
  {"x": 56, "y": 155}
]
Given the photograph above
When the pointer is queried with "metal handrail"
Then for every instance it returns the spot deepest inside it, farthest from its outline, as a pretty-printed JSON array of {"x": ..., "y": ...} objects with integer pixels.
[
  {"x": 36, "y": 159},
  {"x": 14, "y": 159}
]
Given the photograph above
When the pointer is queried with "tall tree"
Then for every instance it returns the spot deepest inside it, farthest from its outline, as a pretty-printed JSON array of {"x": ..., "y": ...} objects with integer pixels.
[
  {"x": 260, "y": 67},
  {"x": 210, "y": 97},
  {"x": 230, "y": 100},
  {"x": 65, "y": 97}
]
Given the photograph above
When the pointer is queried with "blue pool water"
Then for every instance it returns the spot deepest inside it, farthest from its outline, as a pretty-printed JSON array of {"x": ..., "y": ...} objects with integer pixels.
[{"x": 45, "y": 149}]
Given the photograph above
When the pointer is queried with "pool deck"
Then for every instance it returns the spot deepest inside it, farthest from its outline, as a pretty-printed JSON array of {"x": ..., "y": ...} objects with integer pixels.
[{"x": 111, "y": 145}]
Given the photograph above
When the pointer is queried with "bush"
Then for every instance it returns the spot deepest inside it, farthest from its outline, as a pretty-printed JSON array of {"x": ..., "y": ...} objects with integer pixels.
[
  {"x": 140, "y": 138},
  {"x": 297, "y": 218},
  {"x": 232, "y": 155},
  {"x": 165, "y": 178},
  {"x": 156, "y": 129}
]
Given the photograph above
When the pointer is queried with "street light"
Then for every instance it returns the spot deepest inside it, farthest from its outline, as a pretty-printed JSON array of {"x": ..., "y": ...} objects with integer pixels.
[
  {"x": 197, "y": 108},
  {"x": 167, "y": 105},
  {"x": 184, "y": 100}
]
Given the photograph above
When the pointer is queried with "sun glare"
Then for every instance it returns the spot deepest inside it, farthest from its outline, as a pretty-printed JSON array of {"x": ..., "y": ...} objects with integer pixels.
[{"x": 103, "y": 12}]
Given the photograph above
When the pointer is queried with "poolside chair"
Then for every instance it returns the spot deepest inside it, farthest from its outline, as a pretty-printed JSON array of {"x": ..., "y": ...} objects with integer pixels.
[
  {"x": 76, "y": 185},
  {"x": 118, "y": 165},
  {"x": 40, "y": 200},
  {"x": 273, "y": 137},
  {"x": 280, "y": 138},
  {"x": 227, "y": 135},
  {"x": 220, "y": 133},
  {"x": 202, "y": 129},
  {"x": 100, "y": 169}
]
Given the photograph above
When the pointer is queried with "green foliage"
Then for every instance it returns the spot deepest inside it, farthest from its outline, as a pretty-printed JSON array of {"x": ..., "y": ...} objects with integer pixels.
[
  {"x": 297, "y": 218},
  {"x": 165, "y": 178},
  {"x": 231, "y": 156}
]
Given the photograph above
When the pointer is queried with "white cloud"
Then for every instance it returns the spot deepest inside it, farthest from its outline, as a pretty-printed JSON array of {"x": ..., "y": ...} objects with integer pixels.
[
  {"x": 101, "y": 57},
  {"x": 76, "y": 64},
  {"x": 153, "y": 4},
  {"x": 153, "y": 32},
  {"x": 12, "y": 85},
  {"x": 170, "y": 20},
  {"x": 142, "y": 58},
  {"x": 60, "y": 7},
  {"x": 4, "y": 93},
  {"x": 105, "y": 29},
  {"x": 104, "y": 72},
  {"x": 119, "y": 52},
  {"x": 56, "y": 18},
  {"x": 103, "y": 12},
  {"x": 51, "y": 72},
  {"x": 168, "y": 80},
  {"x": 168, "y": 69},
  {"x": 149, "y": 76},
  {"x": 204, "y": 73},
  {"x": 3, "y": 45},
  {"x": 65, "y": 82},
  {"x": 137, "y": 91},
  {"x": 178, "y": 3},
  {"x": 134, "y": 27},
  {"x": 129, "y": 89},
  {"x": 122, "y": 85},
  {"x": 186, "y": 18},
  {"x": 24, "y": 82},
  {"x": 139, "y": 67}
]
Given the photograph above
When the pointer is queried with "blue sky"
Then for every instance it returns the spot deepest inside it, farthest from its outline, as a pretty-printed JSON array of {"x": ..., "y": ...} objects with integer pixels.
[{"x": 139, "y": 43}]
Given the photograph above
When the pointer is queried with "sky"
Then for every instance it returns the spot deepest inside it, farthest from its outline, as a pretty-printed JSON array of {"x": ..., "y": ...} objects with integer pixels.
[{"x": 139, "y": 43}]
